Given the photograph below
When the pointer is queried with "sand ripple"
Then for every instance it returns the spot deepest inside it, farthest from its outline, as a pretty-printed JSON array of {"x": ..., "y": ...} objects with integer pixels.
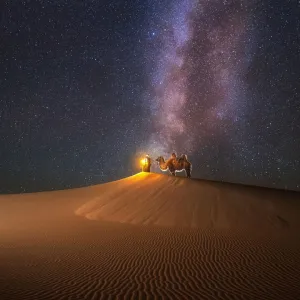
[{"x": 136, "y": 262}]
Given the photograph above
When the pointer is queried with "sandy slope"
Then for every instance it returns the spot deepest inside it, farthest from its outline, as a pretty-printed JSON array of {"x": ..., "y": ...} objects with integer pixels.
[{"x": 151, "y": 236}]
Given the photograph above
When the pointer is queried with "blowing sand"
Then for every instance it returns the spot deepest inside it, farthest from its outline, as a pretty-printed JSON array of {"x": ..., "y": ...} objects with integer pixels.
[{"x": 151, "y": 236}]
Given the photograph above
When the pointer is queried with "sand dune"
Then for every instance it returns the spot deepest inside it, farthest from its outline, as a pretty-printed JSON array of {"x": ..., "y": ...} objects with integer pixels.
[
  {"x": 151, "y": 236},
  {"x": 152, "y": 199}
]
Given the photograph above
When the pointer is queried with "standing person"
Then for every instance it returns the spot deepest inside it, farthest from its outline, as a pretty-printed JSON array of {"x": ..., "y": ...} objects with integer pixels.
[{"x": 147, "y": 163}]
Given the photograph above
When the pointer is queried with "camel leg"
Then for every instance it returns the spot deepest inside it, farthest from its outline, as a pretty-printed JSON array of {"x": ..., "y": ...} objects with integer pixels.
[{"x": 172, "y": 171}]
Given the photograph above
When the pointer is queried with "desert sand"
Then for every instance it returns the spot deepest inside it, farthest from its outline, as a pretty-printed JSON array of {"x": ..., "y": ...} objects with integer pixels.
[{"x": 151, "y": 236}]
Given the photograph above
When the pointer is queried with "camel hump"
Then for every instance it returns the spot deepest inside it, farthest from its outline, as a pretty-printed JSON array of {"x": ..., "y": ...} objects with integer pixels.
[
  {"x": 169, "y": 161},
  {"x": 183, "y": 157}
]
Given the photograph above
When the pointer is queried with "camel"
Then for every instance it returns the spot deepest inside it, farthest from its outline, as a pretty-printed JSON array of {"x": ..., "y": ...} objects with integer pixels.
[{"x": 175, "y": 165}]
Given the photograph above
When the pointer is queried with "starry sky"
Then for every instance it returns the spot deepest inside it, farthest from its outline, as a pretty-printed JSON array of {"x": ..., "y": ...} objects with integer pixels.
[{"x": 88, "y": 87}]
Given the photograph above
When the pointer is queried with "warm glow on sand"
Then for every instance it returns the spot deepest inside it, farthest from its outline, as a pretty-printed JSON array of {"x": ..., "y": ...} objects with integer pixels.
[{"x": 151, "y": 235}]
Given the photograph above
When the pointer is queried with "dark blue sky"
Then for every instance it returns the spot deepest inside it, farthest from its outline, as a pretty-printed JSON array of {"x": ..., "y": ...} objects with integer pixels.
[{"x": 87, "y": 87}]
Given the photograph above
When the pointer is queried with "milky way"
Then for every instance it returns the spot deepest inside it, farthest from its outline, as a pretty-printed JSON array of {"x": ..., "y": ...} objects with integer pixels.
[
  {"x": 169, "y": 79},
  {"x": 197, "y": 77},
  {"x": 199, "y": 98}
]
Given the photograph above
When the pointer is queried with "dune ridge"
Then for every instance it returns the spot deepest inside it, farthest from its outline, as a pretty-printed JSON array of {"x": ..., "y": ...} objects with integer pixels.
[
  {"x": 153, "y": 199},
  {"x": 150, "y": 236}
]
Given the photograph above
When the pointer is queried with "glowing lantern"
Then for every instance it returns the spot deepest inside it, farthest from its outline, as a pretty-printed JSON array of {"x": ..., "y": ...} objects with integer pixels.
[{"x": 145, "y": 164}]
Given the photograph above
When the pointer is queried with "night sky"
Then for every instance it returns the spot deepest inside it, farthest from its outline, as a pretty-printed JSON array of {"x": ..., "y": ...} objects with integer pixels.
[{"x": 88, "y": 87}]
